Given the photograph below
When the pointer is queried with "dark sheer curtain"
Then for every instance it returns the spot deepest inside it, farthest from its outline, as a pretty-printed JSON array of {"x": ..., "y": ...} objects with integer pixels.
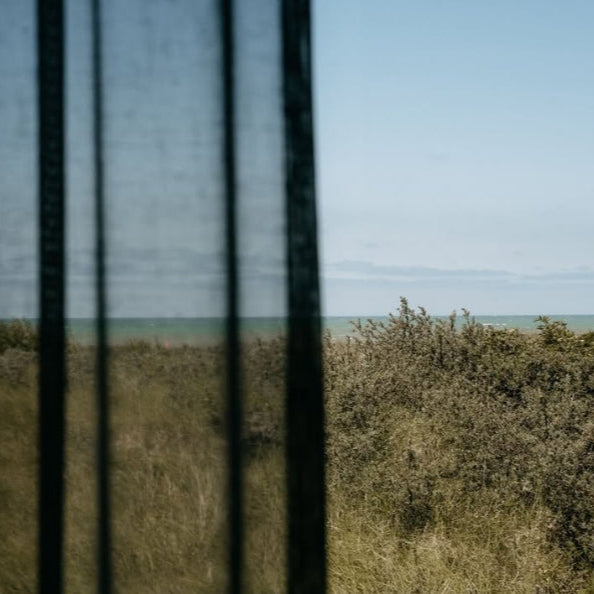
[{"x": 180, "y": 411}]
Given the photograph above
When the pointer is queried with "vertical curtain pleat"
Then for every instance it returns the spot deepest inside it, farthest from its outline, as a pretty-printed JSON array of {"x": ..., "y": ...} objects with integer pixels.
[
  {"x": 232, "y": 321},
  {"x": 51, "y": 305},
  {"x": 102, "y": 386},
  {"x": 305, "y": 406}
]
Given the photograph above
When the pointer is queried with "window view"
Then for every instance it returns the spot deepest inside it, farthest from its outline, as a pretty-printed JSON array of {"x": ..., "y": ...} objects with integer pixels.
[{"x": 453, "y": 143}]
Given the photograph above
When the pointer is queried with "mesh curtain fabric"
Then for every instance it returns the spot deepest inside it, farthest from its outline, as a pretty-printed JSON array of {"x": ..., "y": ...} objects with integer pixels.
[{"x": 173, "y": 147}]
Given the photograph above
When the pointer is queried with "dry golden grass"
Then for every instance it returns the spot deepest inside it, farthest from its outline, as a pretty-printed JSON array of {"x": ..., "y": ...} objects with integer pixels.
[
  {"x": 459, "y": 461},
  {"x": 168, "y": 473},
  {"x": 18, "y": 476}
]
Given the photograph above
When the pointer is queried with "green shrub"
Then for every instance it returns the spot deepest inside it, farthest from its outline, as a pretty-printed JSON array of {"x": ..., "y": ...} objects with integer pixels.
[
  {"x": 498, "y": 414},
  {"x": 17, "y": 334}
]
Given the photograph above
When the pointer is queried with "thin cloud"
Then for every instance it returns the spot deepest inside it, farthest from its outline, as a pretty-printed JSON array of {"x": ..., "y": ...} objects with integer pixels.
[{"x": 365, "y": 271}]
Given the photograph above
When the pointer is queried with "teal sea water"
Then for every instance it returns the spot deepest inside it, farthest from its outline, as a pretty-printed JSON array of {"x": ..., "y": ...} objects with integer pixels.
[{"x": 177, "y": 331}]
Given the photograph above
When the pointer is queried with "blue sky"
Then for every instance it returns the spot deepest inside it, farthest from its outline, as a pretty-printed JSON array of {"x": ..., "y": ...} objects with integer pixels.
[
  {"x": 455, "y": 151},
  {"x": 455, "y": 142}
]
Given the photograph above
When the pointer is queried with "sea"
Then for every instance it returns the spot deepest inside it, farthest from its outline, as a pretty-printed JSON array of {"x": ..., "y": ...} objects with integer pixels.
[{"x": 199, "y": 331}]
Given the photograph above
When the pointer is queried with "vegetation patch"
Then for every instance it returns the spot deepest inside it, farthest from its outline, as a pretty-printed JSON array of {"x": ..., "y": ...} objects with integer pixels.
[{"x": 460, "y": 459}]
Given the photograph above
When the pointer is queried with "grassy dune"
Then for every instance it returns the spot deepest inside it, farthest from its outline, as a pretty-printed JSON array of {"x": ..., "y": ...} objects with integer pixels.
[{"x": 459, "y": 460}]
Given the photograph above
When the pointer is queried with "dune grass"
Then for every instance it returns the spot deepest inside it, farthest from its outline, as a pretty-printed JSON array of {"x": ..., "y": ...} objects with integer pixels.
[{"x": 459, "y": 460}]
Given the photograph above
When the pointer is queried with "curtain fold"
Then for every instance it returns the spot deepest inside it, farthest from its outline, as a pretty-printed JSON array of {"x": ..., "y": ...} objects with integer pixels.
[
  {"x": 181, "y": 255},
  {"x": 50, "y": 42}
]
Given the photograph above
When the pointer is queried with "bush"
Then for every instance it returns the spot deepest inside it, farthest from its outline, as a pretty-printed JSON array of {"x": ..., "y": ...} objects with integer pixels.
[
  {"x": 427, "y": 415},
  {"x": 17, "y": 334}
]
